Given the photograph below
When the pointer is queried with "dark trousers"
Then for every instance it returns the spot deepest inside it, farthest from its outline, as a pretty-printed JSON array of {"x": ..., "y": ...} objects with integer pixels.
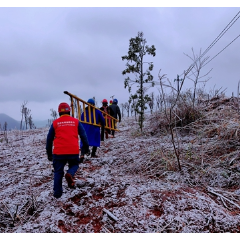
[
  {"x": 58, "y": 165},
  {"x": 93, "y": 153},
  {"x": 104, "y": 130},
  {"x": 114, "y": 126},
  {"x": 94, "y": 149}
]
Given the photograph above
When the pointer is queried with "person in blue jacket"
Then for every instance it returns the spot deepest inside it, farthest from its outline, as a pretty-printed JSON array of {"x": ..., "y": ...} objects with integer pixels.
[{"x": 93, "y": 132}]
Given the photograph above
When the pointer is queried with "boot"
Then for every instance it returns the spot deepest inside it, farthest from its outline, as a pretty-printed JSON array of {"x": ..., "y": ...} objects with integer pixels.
[
  {"x": 93, "y": 154},
  {"x": 106, "y": 135},
  {"x": 70, "y": 181},
  {"x": 81, "y": 159}
]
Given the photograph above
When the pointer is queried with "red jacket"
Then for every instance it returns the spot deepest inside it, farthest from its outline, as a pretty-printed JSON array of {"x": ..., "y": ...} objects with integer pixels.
[{"x": 66, "y": 135}]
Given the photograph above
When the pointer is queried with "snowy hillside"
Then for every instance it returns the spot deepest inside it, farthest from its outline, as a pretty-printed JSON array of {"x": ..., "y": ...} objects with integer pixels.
[{"x": 135, "y": 185}]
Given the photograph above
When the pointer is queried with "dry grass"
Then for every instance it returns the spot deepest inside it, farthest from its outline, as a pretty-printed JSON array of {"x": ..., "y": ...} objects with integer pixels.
[{"x": 136, "y": 178}]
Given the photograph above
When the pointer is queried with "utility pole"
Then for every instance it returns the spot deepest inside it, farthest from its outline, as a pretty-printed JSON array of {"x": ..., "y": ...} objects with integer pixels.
[{"x": 178, "y": 80}]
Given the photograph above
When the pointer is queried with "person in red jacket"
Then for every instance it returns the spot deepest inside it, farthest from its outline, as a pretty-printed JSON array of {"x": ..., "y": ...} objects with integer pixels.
[{"x": 63, "y": 138}]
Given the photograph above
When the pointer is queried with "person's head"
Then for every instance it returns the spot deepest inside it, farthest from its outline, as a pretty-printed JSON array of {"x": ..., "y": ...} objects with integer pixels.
[
  {"x": 104, "y": 102},
  {"x": 115, "y": 101},
  {"x": 91, "y": 101},
  {"x": 110, "y": 102},
  {"x": 63, "y": 108}
]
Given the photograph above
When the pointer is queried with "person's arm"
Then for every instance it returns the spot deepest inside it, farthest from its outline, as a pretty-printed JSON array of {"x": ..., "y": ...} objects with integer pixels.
[
  {"x": 83, "y": 136},
  {"x": 119, "y": 114},
  {"x": 49, "y": 142}
]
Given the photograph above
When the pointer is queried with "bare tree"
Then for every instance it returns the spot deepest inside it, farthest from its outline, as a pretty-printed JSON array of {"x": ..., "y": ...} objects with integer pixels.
[
  {"x": 30, "y": 122},
  {"x": 26, "y": 117},
  {"x": 23, "y": 112},
  {"x": 198, "y": 64},
  {"x": 127, "y": 106},
  {"x": 178, "y": 101},
  {"x": 122, "y": 108},
  {"x": 50, "y": 122},
  {"x": 169, "y": 111},
  {"x": 5, "y": 131},
  {"x": 151, "y": 102},
  {"x": 159, "y": 101},
  {"x": 134, "y": 105},
  {"x": 53, "y": 114}
]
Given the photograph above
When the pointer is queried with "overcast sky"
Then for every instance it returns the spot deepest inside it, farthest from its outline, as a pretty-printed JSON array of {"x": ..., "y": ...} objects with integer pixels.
[{"x": 45, "y": 51}]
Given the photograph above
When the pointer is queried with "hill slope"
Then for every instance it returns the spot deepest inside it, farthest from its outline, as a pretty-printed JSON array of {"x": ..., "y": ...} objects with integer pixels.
[
  {"x": 136, "y": 178},
  {"x": 11, "y": 123}
]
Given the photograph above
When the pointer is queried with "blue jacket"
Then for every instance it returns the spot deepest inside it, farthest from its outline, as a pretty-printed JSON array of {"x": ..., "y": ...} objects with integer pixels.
[{"x": 93, "y": 132}]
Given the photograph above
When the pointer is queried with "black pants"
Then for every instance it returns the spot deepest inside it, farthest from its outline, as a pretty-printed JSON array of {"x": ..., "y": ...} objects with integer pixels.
[
  {"x": 103, "y": 130},
  {"x": 94, "y": 149},
  {"x": 114, "y": 126},
  {"x": 93, "y": 153},
  {"x": 102, "y": 133}
]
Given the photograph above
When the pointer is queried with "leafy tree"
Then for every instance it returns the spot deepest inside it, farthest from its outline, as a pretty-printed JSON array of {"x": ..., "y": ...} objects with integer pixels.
[{"x": 137, "y": 50}]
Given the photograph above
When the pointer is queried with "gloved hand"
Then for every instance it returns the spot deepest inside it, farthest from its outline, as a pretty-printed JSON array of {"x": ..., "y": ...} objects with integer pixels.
[
  {"x": 88, "y": 152},
  {"x": 49, "y": 155}
]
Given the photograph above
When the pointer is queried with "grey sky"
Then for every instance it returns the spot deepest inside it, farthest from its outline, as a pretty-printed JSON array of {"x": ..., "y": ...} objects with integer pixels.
[{"x": 45, "y": 51}]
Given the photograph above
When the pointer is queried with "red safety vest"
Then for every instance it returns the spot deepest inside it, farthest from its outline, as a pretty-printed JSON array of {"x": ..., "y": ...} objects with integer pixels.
[
  {"x": 105, "y": 109},
  {"x": 66, "y": 139}
]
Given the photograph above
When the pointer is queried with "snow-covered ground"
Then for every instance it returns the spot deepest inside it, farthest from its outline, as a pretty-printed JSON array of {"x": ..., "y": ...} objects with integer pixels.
[{"x": 132, "y": 187}]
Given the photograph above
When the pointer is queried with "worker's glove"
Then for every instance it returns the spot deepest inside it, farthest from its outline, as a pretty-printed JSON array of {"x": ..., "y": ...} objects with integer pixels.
[
  {"x": 88, "y": 152},
  {"x": 49, "y": 156}
]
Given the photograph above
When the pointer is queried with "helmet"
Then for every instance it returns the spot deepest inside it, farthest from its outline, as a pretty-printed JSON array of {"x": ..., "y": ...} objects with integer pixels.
[
  {"x": 63, "y": 107},
  {"x": 115, "y": 101},
  {"x": 91, "y": 101},
  {"x": 110, "y": 101},
  {"x": 104, "y": 101}
]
